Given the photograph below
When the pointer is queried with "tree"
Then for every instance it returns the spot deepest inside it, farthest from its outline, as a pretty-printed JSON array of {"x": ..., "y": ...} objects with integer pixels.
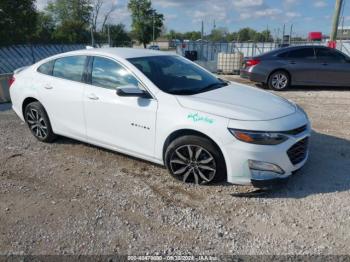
[
  {"x": 144, "y": 19},
  {"x": 17, "y": 21},
  {"x": 44, "y": 28},
  {"x": 193, "y": 35},
  {"x": 119, "y": 36},
  {"x": 97, "y": 7},
  {"x": 232, "y": 37},
  {"x": 71, "y": 19},
  {"x": 218, "y": 35}
]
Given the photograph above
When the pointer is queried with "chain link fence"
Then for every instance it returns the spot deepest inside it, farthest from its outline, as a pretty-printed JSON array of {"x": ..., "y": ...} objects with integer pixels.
[{"x": 210, "y": 54}]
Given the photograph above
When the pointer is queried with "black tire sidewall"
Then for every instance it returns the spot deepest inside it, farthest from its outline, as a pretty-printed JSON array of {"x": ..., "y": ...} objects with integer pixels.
[
  {"x": 278, "y": 72},
  {"x": 221, "y": 173},
  {"x": 37, "y": 106}
]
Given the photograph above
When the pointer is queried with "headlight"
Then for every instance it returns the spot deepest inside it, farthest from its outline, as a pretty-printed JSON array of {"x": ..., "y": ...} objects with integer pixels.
[{"x": 259, "y": 138}]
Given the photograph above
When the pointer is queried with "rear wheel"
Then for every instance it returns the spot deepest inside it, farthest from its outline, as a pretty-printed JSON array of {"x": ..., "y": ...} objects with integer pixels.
[
  {"x": 195, "y": 159},
  {"x": 279, "y": 80},
  {"x": 38, "y": 122}
]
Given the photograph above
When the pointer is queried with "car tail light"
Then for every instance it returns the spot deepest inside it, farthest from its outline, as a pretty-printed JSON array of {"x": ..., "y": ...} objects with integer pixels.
[
  {"x": 252, "y": 62},
  {"x": 11, "y": 81}
]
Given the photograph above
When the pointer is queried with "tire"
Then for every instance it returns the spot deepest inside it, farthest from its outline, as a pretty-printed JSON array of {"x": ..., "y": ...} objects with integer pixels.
[
  {"x": 279, "y": 80},
  {"x": 38, "y": 122},
  {"x": 206, "y": 165}
]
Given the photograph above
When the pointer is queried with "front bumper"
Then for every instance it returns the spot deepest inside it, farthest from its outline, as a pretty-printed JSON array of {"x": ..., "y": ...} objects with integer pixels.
[
  {"x": 274, "y": 182},
  {"x": 239, "y": 154}
]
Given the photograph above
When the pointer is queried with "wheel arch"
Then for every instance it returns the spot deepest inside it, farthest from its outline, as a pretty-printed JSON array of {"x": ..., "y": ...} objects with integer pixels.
[
  {"x": 27, "y": 101},
  {"x": 187, "y": 132},
  {"x": 279, "y": 69}
]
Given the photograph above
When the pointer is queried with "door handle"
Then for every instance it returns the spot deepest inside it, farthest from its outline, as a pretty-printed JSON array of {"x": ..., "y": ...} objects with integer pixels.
[
  {"x": 92, "y": 96},
  {"x": 324, "y": 64},
  {"x": 292, "y": 62},
  {"x": 48, "y": 87}
]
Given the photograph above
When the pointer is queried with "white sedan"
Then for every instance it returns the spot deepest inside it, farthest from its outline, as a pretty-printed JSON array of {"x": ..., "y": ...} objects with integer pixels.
[{"x": 165, "y": 109}]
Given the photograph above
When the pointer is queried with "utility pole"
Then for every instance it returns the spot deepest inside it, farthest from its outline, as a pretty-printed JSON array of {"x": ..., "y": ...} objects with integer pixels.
[
  {"x": 92, "y": 37},
  {"x": 342, "y": 34},
  {"x": 202, "y": 39},
  {"x": 283, "y": 33},
  {"x": 109, "y": 36},
  {"x": 202, "y": 31},
  {"x": 333, "y": 39},
  {"x": 153, "y": 27},
  {"x": 290, "y": 34}
]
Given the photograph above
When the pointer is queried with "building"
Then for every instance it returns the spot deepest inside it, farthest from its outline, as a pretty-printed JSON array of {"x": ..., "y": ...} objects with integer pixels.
[{"x": 343, "y": 33}]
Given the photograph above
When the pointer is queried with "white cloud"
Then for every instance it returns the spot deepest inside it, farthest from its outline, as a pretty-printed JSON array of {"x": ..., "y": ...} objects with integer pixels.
[
  {"x": 272, "y": 13},
  {"x": 248, "y": 3},
  {"x": 293, "y": 14},
  {"x": 290, "y": 2},
  {"x": 320, "y": 3}
]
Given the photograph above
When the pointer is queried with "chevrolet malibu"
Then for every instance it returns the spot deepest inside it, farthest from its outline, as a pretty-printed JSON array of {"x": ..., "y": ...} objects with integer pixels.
[{"x": 165, "y": 109}]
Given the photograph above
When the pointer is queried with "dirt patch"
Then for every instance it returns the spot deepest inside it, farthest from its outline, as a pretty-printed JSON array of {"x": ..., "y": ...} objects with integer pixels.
[{"x": 72, "y": 198}]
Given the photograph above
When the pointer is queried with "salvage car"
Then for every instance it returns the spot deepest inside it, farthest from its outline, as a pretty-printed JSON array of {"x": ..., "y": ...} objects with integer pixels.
[
  {"x": 299, "y": 66},
  {"x": 165, "y": 109}
]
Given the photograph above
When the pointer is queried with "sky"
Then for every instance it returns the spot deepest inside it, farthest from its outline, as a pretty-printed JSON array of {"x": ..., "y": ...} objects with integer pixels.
[{"x": 186, "y": 15}]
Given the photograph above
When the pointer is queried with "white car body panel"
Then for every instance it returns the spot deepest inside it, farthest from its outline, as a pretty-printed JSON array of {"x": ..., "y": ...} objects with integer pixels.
[
  {"x": 240, "y": 102},
  {"x": 63, "y": 101},
  {"x": 126, "y": 122},
  {"x": 140, "y": 127}
]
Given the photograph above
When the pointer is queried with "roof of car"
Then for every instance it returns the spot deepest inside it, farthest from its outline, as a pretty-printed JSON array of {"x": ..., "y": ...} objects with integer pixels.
[
  {"x": 302, "y": 46},
  {"x": 120, "y": 52}
]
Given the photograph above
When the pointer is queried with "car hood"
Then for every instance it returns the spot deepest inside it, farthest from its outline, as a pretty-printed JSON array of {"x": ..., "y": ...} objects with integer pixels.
[{"x": 239, "y": 102}]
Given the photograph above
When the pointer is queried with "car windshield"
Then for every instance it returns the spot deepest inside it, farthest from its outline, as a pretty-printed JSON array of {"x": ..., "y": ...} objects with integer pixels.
[{"x": 176, "y": 75}]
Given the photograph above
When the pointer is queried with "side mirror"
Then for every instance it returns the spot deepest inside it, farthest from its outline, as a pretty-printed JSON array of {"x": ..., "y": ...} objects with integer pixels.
[{"x": 132, "y": 91}]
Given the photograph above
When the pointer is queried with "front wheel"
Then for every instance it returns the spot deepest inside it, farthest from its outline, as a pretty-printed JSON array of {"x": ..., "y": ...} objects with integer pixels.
[
  {"x": 194, "y": 159},
  {"x": 38, "y": 122},
  {"x": 279, "y": 81}
]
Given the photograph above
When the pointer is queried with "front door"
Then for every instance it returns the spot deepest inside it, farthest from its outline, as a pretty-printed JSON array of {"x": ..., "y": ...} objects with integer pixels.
[
  {"x": 334, "y": 68},
  {"x": 124, "y": 123}
]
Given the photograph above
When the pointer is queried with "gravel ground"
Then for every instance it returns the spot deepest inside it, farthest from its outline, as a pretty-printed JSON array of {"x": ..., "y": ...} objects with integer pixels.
[{"x": 72, "y": 198}]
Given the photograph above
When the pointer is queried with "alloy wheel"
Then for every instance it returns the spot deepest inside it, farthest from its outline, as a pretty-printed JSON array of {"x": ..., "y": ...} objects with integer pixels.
[
  {"x": 279, "y": 81},
  {"x": 193, "y": 163},
  {"x": 36, "y": 123}
]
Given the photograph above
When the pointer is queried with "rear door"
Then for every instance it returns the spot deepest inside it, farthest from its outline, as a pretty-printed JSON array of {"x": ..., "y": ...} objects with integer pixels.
[
  {"x": 302, "y": 65},
  {"x": 61, "y": 93},
  {"x": 334, "y": 67}
]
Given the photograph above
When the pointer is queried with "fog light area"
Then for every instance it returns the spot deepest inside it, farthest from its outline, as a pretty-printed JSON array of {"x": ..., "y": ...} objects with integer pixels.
[{"x": 263, "y": 170}]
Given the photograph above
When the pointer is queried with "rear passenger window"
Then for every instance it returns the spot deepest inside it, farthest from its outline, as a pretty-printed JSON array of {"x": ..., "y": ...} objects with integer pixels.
[
  {"x": 46, "y": 68},
  {"x": 71, "y": 68},
  {"x": 304, "y": 53},
  {"x": 109, "y": 74}
]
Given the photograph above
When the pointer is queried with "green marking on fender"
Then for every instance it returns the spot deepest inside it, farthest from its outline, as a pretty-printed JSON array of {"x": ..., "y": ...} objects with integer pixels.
[{"x": 195, "y": 117}]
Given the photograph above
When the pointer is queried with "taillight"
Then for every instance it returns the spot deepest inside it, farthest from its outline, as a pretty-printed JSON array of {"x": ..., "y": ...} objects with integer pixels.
[
  {"x": 11, "y": 81},
  {"x": 252, "y": 62}
]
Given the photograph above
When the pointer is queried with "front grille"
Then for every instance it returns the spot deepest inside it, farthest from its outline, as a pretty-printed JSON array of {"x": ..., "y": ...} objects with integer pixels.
[{"x": 298, "y": 152}]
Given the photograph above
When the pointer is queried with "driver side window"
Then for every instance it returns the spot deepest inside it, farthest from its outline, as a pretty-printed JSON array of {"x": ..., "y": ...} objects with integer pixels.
[
  {"x": 109, "y": 74},
  {"x": 329, "y": 55}
]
